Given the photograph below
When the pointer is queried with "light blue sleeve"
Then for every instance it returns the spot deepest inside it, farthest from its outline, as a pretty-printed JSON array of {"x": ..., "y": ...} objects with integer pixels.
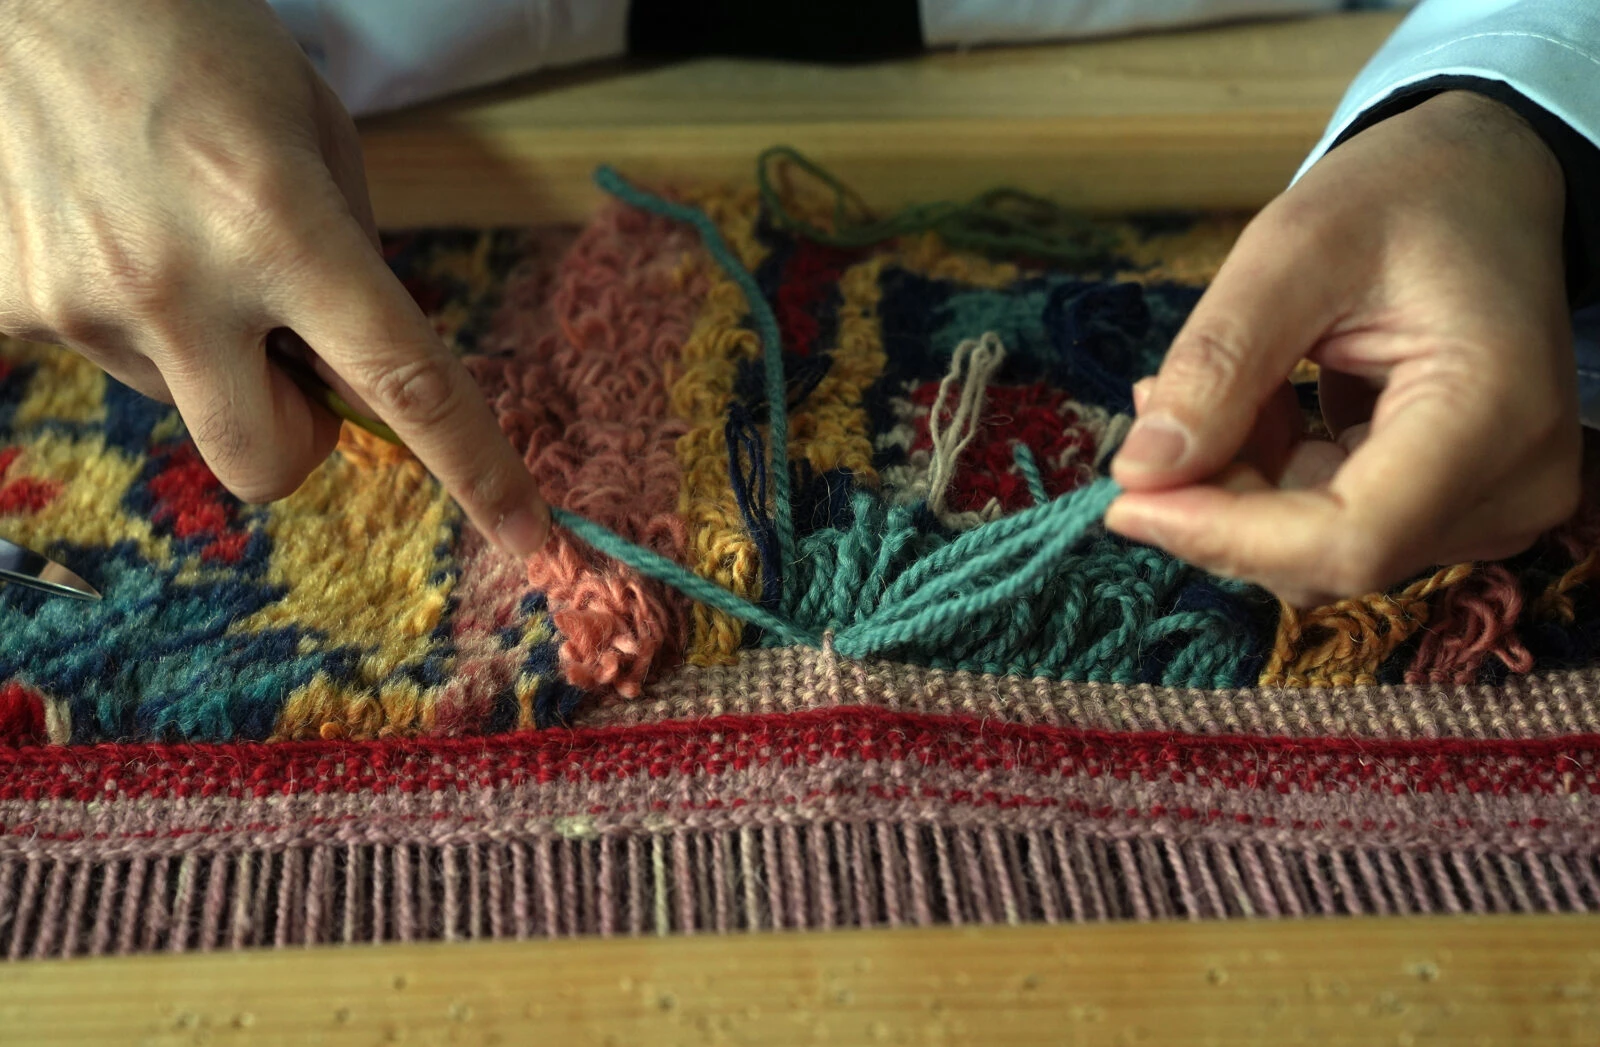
[
  {"x": 1549, "y": 50},
  {"x": 384, "y": 54},
  {"x": 969, "y": 23}
]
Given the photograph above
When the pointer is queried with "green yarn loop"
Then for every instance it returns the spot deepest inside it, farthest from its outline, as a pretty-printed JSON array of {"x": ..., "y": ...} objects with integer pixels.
[{"x": 1005, "y": 222}]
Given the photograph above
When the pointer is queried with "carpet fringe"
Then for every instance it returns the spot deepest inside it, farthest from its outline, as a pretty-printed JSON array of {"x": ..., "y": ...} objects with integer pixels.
[{"x": 819, "y": 875}]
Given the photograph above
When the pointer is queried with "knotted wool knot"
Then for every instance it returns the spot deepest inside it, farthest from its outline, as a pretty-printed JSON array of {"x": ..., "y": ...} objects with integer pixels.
[{"x": 1343, "y": 644}]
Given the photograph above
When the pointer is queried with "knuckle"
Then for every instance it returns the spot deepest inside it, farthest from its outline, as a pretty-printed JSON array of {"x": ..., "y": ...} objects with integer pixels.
[
  {"x": 252, "y": 478},
  {"x": 151, "y": 292},
  {"x": 1210, "y": 354},
  {"x": 223, "y": 440},
  {"x": 255, "y": 469},
  {"x": 257, "y": 208},
  {"x": 235, "y": 176},
  {"x": 59, "y": 320},
  {"x": 144, "y": 278},
  {"x": 1294, "y": 217},
  {"x": 421, "y": 391}
]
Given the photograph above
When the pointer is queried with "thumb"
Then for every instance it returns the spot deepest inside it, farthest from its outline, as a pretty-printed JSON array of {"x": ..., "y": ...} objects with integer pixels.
[{"x": 1265, "y": 308}]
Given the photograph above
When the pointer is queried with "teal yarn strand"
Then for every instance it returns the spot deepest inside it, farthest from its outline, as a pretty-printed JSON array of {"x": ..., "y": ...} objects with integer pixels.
[
  {"x": 1022, "y": 454},
  {"x": 1003, "y": 222},
  {"x": 1040, "y": 593},
  {"x": 766, "y": 329},
  {"x": 652, "y": 564}
]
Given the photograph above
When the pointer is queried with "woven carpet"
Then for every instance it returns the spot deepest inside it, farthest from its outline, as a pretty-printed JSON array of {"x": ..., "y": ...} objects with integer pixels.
[{"x": 343, "y": 717}]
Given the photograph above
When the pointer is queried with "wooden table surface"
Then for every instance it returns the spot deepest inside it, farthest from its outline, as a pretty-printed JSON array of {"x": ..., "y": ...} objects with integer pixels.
[
  {"x": 1215, "y": 118},
  {"x": 1524, "y": 981}
]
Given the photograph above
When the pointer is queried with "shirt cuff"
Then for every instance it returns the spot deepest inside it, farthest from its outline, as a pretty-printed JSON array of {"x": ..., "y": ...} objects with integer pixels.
[{"x": 385, "y": 54}]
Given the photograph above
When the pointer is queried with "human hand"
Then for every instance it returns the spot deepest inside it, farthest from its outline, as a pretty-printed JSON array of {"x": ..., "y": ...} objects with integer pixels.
[
  {"x": 1420, "y": 265},
  {"x": 178, "y": 182}
]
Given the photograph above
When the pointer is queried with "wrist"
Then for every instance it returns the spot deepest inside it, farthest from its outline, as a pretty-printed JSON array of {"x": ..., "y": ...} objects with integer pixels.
[{"x": 1496, "y": 135}]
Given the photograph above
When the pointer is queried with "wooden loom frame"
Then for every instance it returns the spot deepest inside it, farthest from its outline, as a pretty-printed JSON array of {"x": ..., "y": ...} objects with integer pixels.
[{"x": 1214, "y": 119}]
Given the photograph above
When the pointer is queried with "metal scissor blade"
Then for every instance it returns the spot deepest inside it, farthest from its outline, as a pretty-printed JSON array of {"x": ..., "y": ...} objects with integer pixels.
[{"x": 26, "y": 567}]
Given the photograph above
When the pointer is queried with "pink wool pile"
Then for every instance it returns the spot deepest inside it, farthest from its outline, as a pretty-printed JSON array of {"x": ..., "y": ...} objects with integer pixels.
[
  {"x": 581, "y": 387},
  {"x": 1476, "y": 618}
]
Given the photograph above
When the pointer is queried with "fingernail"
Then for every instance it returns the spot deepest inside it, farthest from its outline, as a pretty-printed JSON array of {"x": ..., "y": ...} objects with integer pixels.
[
  {"x": 523, "y": 533},
  {"x": 1141, "y": 392},
  {"x": 1156, "y": 441}
]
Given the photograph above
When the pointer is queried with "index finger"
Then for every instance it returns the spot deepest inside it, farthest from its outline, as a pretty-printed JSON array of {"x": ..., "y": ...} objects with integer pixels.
[{"x": 359, "y": 319}]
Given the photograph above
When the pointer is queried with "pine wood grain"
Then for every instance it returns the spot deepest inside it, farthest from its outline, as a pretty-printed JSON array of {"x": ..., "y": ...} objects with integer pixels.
[
  {"x": 1527, "y": 981},
  {"x": 1215, "y": 118}
]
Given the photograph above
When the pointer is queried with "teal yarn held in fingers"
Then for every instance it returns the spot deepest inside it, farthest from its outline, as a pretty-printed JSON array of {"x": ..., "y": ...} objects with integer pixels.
[{"x": 1023, "y": 455}]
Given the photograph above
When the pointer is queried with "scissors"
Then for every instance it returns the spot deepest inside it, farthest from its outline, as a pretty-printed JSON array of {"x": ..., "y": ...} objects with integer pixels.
[{"x": 21, "y": 566}]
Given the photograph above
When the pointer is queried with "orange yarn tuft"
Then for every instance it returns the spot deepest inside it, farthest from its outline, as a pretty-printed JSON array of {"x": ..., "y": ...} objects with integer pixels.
[{"x": 1344, "y": 643}]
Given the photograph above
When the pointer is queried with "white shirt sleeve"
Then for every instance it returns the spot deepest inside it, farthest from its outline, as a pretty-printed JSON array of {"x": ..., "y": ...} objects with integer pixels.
[
  {"x": 970, "y": 23},
  {"x": 384, "y": 54},
  {"x": 1548, "y": 50}
]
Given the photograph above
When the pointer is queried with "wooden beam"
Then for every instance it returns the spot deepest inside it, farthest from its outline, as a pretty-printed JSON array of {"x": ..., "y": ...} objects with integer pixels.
[
  {"x": 1218, "y": 118},
  {"x": 1528, "y": 981}
]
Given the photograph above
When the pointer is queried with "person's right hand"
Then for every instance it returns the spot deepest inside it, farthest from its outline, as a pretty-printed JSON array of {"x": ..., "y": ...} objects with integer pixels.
[
  {"x": 1421, "y": 265},
  {"x": 177, "y": 182}
]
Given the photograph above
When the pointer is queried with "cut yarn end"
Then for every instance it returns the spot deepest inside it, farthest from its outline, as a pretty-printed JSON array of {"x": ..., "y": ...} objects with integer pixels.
[{"x": 986, "y": 355}]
